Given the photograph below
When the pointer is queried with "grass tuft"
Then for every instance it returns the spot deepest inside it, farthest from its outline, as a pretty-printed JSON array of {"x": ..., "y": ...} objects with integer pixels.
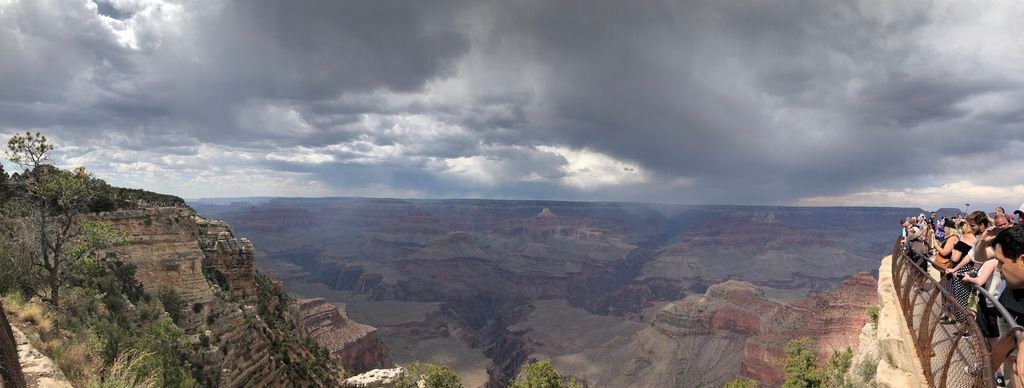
[{"x": 33, "y": 313}]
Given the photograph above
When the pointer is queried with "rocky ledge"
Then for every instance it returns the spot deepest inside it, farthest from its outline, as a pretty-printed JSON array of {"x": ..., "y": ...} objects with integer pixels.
[
  {"x": 40, "y": 371},
  {"x": 357, "y": 347}
]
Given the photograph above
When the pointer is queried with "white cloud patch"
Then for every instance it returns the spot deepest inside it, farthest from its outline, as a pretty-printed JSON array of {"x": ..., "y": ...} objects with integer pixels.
[
  {"x": 950, "y": 195},
  {"x": 590, "y": 170}
]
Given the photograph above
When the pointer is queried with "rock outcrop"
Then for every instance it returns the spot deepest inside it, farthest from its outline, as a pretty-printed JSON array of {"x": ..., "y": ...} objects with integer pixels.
[
  {"x": 213, "y": 273},
  {"x": 232, "y": 258},
  {"x": 377, "y": 378},
  {"x": 40, "y": 371},
  {"x": 357, "y": 347}
]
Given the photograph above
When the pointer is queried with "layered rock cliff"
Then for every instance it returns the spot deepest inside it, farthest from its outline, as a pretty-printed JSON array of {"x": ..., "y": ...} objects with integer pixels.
[
  {"x": 833, "y": 320},
  {"x": 239, "y": 341},
  {"x": 357, "y": 347}
]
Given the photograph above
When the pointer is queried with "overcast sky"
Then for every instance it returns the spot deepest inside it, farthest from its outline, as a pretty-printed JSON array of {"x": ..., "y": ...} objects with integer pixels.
[{"x": 812, "y": 102}]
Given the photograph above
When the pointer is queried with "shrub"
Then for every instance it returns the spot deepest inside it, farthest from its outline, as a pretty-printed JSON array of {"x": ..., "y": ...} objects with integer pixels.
[
  {"x": 167, "y": 346},
  {"x": 873, "y": 315},
  {"x": 539, "y": 375},
  {"x": 542, "y": 375},
  {"x": 76, "y": 357},
  {"x": 34, "y": 314},
  {"x": 837, "y": 368},
  {"x": 172, "y": 302},
  {"x": 433, "y": 376},
  {"x": 741, "y": 383},
  {"x": 801, "y": 365},
  {"x": 867, "y": 369},
  {"x": 127, "y": 371}
]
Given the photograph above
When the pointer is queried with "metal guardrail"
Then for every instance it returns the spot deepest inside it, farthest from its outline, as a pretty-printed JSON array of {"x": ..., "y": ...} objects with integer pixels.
[{"x": 947, "y": 358}]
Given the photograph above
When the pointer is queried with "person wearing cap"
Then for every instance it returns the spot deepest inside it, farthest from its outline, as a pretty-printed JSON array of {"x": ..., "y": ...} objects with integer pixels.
[{"x": 1020, "y": 215}]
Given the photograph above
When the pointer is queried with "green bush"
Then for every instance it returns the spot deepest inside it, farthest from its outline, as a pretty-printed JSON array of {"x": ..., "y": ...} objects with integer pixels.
[
  {"x": 741, "y": 383},
  {"x": 873, "y": 312},
  {"x": 167, "y": 346},
  {"x": 434, "y": 376},
  {"x": 172, "y": 302},
  {"x": 801, "y": 369},
  {"x": 542, "y": 375},
  {"x": 837, "y": 367},
  {"x": 867, "y": 370}
]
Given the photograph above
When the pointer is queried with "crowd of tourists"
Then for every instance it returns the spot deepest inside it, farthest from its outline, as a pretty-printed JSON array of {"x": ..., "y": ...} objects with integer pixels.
[{"x": 975, "y": 249}]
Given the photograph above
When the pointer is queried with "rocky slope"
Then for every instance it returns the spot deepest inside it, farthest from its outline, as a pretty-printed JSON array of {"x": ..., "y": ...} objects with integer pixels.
[{"x": 213, "y": 272}]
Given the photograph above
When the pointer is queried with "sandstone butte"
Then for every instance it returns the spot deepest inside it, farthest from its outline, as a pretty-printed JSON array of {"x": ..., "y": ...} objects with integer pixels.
[
  {"x": 170, "y": 245},
  {"x": 833, "y": 320}
]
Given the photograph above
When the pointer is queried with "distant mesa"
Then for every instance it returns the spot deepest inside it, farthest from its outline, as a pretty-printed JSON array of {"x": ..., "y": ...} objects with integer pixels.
[
  {"x": 546, "y": 213},
  {"x": 768, "y": 218}
]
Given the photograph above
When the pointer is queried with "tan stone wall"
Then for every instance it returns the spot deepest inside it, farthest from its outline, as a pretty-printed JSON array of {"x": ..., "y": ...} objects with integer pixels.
[{"x": 898, "y": 364}]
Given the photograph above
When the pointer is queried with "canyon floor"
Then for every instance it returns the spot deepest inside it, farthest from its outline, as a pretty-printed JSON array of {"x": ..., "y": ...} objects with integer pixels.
[{"x": 613, "y": 293}]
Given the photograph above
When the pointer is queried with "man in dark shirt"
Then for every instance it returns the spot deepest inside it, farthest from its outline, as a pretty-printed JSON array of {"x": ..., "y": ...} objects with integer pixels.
[{"x": 1008, "y": 248}]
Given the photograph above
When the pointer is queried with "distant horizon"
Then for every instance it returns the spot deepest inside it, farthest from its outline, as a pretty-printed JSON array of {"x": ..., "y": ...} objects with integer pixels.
[{"x": 267, "y": 198}]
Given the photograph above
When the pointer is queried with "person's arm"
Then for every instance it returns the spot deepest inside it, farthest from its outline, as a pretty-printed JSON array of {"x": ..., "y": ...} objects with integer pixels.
[
  {"x": 947, "y": 248},
  {"x": 963, "y": 261},
  {"x": 983, "y": 274},
  {"x": 984, "y": 245}
]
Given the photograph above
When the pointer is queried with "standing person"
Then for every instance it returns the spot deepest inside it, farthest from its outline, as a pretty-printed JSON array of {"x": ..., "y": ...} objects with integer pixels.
[
  {"x": 904, "y": 227},
  {"x": 1020, "y": 215},
  {"x": 1008, "y": 250},
  {"x": 977, "y": 222},
  {"x": 940, "y": 231},
  {"x": 919, "y": 247},
  {"x": 944, "y": 260},
  {"x": 988, "y": 316}
]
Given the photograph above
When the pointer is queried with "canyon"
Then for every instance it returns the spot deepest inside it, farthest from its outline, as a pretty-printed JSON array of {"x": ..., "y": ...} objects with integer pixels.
[{"x": 602, "y": 289}]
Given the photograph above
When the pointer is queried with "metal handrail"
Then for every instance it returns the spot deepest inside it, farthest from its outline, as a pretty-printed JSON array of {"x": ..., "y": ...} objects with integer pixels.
[
  {"x": 929, "y": 337},
  {"x": 995, "y": 302}
]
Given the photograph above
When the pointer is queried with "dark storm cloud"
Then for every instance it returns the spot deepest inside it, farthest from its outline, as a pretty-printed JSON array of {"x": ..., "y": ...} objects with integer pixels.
[{"x": 684, "y": 101}]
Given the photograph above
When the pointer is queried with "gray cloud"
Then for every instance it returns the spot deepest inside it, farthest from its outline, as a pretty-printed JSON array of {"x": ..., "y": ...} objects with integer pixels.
[{"x": 765, "y": 102}]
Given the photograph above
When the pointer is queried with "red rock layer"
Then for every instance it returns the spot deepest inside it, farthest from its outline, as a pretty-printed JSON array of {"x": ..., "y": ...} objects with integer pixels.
[{"x": 833, "y": 320}]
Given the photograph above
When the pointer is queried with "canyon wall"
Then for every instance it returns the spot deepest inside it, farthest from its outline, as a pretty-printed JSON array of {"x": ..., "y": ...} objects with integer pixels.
[
  {"x": 357, "y": 347},
  {"x": 832, "y": 320},
  {"x": 203, "y": 262}
]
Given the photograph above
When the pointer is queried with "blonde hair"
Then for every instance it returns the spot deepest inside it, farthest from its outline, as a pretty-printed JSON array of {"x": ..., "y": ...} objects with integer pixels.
[{"x": 953, "y": 232}]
